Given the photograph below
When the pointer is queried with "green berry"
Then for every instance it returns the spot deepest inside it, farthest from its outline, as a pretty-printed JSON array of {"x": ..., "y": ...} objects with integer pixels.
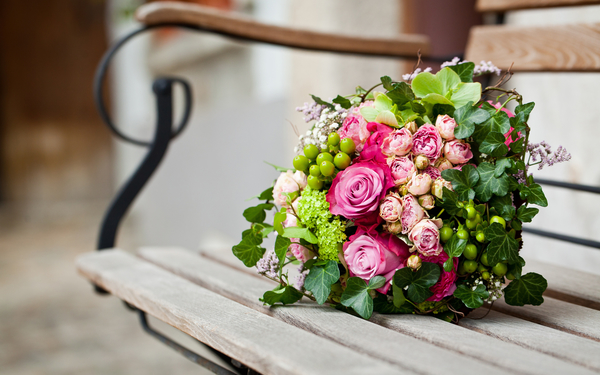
[
  {"x": 478, "y": 219},
  {"x": 499, "y": 220},
  {"x": 311, "y": 151},
  {"x": 461, "y": 268},
  {"x": 315, "y": 170},
  {"x": 301, "y": 162},
  {"x": 471, "y": 223},
  {"x": 341, "y": 160},
  {"x": 324, "y": 156},
  {"x": 347, "y": 145},
  {"x": 314, "y": 183},
  {"x": 471, "y": 213},
  {"x": 446, "y": 233},
  {"x": 481, "y": 268},
  {"x": 470, "y": 252},
  {"x": 470, "y": 266},
  {"x": 484, "y": 259},
  {"x": 327, "y": 168},
  {"x": 480, "y": 237},
  {"x": 510, "y": 276},
  {"x": 485, "y": 275},
  {"x": 462, "y": 234},
  {"x": 500, "y": 269},
  {"x": 334, "y": 139}
]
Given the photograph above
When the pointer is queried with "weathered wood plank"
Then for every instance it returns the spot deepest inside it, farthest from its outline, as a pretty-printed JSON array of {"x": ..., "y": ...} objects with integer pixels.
[
  {"x": 506, "y": 5},
  {"x": 226, "y": 23},
  {"x": 557, "y": 314},
  {"x": 246, "y": 288},
  {"x": 578, "y": 287},
  {"x": 546, "y": 340},
  {"x": 549, "y": 48},
  {"x": 261, "y": 342}
]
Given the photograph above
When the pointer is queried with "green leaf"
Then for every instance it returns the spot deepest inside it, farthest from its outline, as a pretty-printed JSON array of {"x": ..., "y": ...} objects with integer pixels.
[
  {"x": 449, "y": 264},
  {"x": 369, "y": 113},
  {"x": 285, "y": 296},
  {"x": 249, "y": 250},
  {"x": 442, "y": 109},
  {"x": 526, "y": 214},
  {"x": 455, "y": 246},
  {"x": 489, "y": 184},
  {"x": 376, "y": 282},
  {"x": 401, "y": 94},
  {"x": 399, "y": 298},
  {"x": 382, "y": 306},
  {"x": 432, "y": 99},
  {"x": 383, "y": 102},
  {"x": 527, "y": 290},
  {"x": 467, "y": 92},
  {"x": 488, "y": 108},
  {"x": 503, "y": 206},
  {"x": 525, "y": 109},
  {"x": 462, "y": 181},
  {"x": 356, "y": 295},
  {"x": 464, "y": 71},
  {"x": 535, "y": 195},
  {"x": 418, "y": 108},
  {"x": 502, "y": 165},
  {"x": 466, "y": 117},
  {"x": 321, "y": 101},
  {"x": 418, "y": 281},
  {"x": 279, "y": 218},
  {"x": 281, "y": 247},
  {"x": 257, "y": 213},
  {"x": 278, "y": 168},
  {"x": 471, "y": 298},
  {"x": 502, "y": 246},
  {"x": 517, "y": 268},
  {"x": 449, "y": 79},
  {"x": 320, "y": 279},
  {"x": 493, "y": 145},
  {"x": 345, "y": 103},
  {"x": 387, "y": 83},
  {"x": 450, "y": 201},
  {"x": 296, "y": 232},
  {"x": 497, "y": 123},
  {"x": 266, "y": 195},
  {"x": 517, "y": 146},
  {"x": 426, "y": 83}
]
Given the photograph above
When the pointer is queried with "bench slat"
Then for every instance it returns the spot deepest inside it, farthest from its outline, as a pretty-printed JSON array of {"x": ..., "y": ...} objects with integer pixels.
[
  {"x": 505, "y": 5},
  {"x": 257, "y": 340},
  {"x": 245, "y": 288},
  {"x": 550, "y": 48},
  {"x": 557, "y": 343},
  {"x": 557, "y": 314},
  {"x": 403, "y": 45}
]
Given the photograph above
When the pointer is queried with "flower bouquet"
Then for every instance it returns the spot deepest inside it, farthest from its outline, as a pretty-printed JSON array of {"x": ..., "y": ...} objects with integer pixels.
[{"x": 408, "y": 197}]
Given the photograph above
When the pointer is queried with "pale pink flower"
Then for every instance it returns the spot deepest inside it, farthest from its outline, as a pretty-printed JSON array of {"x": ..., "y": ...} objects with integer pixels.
[
  {"x": 445, "y": 125},
  {"x": 437, "y": 187},
  {"x": 288, "y": 182},
  {"x": 402, "y": 169},
  {"x": 398, "y": 142},
  {"x": 419, "y": 184},
  {"x": 427, "y": 141},
  {"x": 391, "y": 208},
  {"x": 425, "y": 236},
  {"x": 412, "y": 213},
  {"x": 458, "y": 152}
]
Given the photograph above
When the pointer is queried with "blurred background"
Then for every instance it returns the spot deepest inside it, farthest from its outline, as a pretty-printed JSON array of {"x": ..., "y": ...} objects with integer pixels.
[{"x": 59, "y": 166}]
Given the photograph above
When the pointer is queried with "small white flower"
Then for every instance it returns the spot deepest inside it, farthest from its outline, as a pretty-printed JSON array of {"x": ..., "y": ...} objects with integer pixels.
[
  {"x": 323, "y": 147},
  {"x": 322, "y": 138},
  {"x": 296, "y": 149},
  {"x": 301, "y": 136},
  {"x": 309, "y": 132},
  {"x": 474, "y": 287},
  {"x": 344, "y": 115}
]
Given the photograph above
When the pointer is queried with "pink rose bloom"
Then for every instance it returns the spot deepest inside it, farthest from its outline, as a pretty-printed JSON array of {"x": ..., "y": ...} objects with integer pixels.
[
  {"x": 426, "y": 238},
  {"x": 288, "y": 182},
  {"x": 427, "y": 201},
  {"x": 372, "y": 149},
  {"x": 391, "y": 208},
  {"x": 355, "y": 127},
  {"x": 427, "y": 141},
  {"x": 412, "y": 213},
  {"x": 437, "y": 187},
  {"x": 433, "y": 172},
  {"x": 445, "y": 125},
  {"x": 393, "y": 227},
  {"x": 370, "y": 254},
  {"x": 419, "y": 184},
  {"x": 356, "y": 191},
  {"x": 442, "y": 164},
  {"x": 446, "y": 284},
  {"x": 402, "y": 169},
  {"x": 300, "y": 252},
  {"x": 398, "y": 142},
  {"x": 458, "y": 152}
]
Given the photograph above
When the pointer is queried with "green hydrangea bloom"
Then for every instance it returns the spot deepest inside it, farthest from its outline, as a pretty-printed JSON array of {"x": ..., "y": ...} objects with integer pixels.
[{"x": 313, "y": 210}]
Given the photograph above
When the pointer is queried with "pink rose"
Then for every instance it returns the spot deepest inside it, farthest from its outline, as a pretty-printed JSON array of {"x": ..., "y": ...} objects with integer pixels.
[
  {"x": 370, "y": 254},
  {"x": 393, "y": 227},
  {"x": 300, "y": 252},
  {"x": 356, "y": 191},
  {"x": 398, "y": 142},
  {"x": 419, "y": 184},
  {"x": 427, "y": 201},
  {"x": 391, "y": 208},
  {"x": 402, "y": 169},
  {"x": 437, "y": 187},
  {"x": 427, "y": 141},
  {"x": 426, "y": 238},
  {"x": 458, "y": 152},
  {"x": 433, "y": 172},
  {"x": 442, "y": 164},
  {"x": 445, "y": 126},
  {"x": 288, "y": 182},
  {"x": 412, "y": 213},
  {"x": 421, "y": 161},
  {"x": 446, "y": 284},
  {"x": 355, "y": 127},
  {"x": 412, "y": 127},
  {"x": 372, "y": 149}
]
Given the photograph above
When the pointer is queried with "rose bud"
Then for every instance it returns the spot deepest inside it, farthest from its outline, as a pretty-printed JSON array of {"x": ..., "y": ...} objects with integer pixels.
[
  {"x": 427, "y": 201},
  {"x": 391, "y": 208},
  {"x": 445, "y": 125},
  {"x": 412, "y": 126},
  {"x": 413, "y": 262},
  {"x": 442, "y": 164},
  {"x": 421, "y": 162},
  {"x": 394, "y": 227},
  {"x": 457, "y": 152},
  {"x": 420, "y": 184},
  {"x": 437, "y": 187}
]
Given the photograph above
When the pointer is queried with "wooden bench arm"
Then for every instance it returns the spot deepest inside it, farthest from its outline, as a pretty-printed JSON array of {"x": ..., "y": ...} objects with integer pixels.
[{"x": 237, "y": 26}]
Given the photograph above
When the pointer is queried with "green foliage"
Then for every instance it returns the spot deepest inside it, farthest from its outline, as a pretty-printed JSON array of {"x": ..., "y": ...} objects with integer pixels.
[
  {"x": 471, "y": 298},
  {"x": 517, "y": 268},
  {"x": 281, "y": 246},
  {"x": 286, "y": 295},
  {"x": 418, "y": 281},
  {"x": 503, "y": 206},
  {"x": 383, "y": 306},
  {"x": 278, "y": 220},
  {"x": 445, "y": 87},
  {"x": 357, "y": 296},
  {"x": 533, "y": 194},
  {"x": 464, "y": 71},
  {"x": 463, "y": 181},
  {"x": 498, "y": 122},
  {"x": 322, "y": 102},
  {"x": 345, "y": 103},
  {"x": 489, "y": 184},
  {"x": 266, "y": 195},
  {"x": 441, "y": 109},
  {"x": 502, "y": 246},
  {"x": 466, "y": 117},
  {"x": 493, "y": 145},
  {"x": 502, "y": 165},
  {"x": 297, "y": 232},
  {"x": 526, "y": 214},
  {"x": 320, "y": 279},
  {"x": 525, "y": 109},
  {"x": 249, "y": 250},
  {"x": 527, "y": 290},
  {"x": 455, "y": 247},
  {"x": 257, "y": 213},
  {"x": 398, "y": 294},
  {"x": 450, "y": 201}
]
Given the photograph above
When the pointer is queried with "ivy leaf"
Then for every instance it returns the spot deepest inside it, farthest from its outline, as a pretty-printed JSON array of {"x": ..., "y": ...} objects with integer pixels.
[
  {"x": 266, "y": 195},
  {"x": 525, "y": 109},
  {"x": 455, "y": 246},
  {"x": 488, "y": 108},
  {"x": 296, "y": 232},
  {"x": 418, "y": 281},
  {"x": 320, "y": 279},
  {"x": 462, "y": 181},
  {"x": 502, "y": 246},
  {"x": 471, "y": 298},
  {"x": 278, "y": 220},
  {"x": 450, "y": 201},
  {"x": 382, "y": 306},
  {"x": 356, "y": 295},
  {"x": 322, "y": 102},
  {"x": 418, "y": 108},
  {"x": 448, "y": 264},
  {"x": 526, "y": 214},
  {"x": 401, "y": 93},
  {"x": 517, "y": 268},
  {"x": 257, "y": 213},
  {"x": 464, "y": 71},
  {"x": 517, "y": 146},
  {"x": 498, "y": 122},
  {"x": 376, "y": 282},
  {"x": 281, "y": 246},
  {"x": 345, "y": 103},
  {"x": 527, "y": 290},
  {"x": 285, "y": 296},
  {"x": 535, "y": 195},
  {"x": 466, "y": 117},
  {"x": 502, "y": 165},
  {"x": 399, "y": 298},
  {"x": 493, "y": 145},
  {"x": 249, "y": 250},
  {"x": 518, "y": 124},
  {"x": 387, "y": 83},
  {"x": 442, "y": 109},
  {"x": 503, "y": 206},
  {"x": 489, "y": 184}
]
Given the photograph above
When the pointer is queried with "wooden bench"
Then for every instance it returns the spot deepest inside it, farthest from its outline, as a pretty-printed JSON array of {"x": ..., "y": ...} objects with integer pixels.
[{"x": 215, "y": 299}]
